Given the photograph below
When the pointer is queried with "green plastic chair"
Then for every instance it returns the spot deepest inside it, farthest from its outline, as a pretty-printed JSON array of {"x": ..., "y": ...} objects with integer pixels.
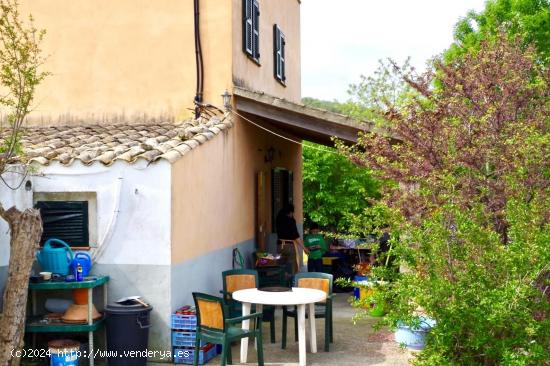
[
  {"x": 239, "y": 279},
  {"x": 318, "y": 281},
  {"x": 214, "y": 326}
]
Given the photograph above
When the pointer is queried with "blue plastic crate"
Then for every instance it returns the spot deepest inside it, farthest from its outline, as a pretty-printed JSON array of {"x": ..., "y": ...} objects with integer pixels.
[
  {"x": 185, "y": 339},
  {"x": 186, "y": 355},
  {"x": 184, "y": 322}
]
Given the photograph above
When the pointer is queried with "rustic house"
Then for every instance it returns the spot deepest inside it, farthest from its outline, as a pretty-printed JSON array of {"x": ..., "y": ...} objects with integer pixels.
[{"x": 131, "y": 128}]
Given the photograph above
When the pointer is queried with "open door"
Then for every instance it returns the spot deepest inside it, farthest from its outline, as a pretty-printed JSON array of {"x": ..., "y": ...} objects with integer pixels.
[{"x": 282, "y": 192}]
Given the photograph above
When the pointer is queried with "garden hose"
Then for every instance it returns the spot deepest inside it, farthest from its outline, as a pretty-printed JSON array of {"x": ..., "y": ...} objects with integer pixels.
[{"x": 237, "y": 259}]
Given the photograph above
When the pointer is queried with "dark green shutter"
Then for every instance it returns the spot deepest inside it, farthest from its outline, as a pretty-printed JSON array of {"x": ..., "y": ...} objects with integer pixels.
[
  {"x": 256, "y": 33},
  {"x": 278, "y": 53},
  {"x": 65, "y": 220},
  {"x": 276, "y": 194},
  {"x": 276, "y": 48},
  {"x": 251, "y": 28},
  {"x": 283, "y": 44},
  {"x": 290, "y": 187},
  {"x": 247, "y": 27}
]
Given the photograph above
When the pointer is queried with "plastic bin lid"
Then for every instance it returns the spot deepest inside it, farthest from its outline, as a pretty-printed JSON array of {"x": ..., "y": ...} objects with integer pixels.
[
  {"x": 63, "y": 345},
  {"x": 127, "y": 307}
]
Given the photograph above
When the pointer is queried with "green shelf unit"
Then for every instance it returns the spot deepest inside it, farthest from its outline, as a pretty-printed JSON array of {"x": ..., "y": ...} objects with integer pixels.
[
  {"x": 59, "y": 285},
  {"x": 34, "y": 326}
]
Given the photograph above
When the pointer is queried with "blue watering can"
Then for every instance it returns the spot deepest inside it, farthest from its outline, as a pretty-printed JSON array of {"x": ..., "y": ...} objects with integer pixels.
[{"x": 55, "y": 259}]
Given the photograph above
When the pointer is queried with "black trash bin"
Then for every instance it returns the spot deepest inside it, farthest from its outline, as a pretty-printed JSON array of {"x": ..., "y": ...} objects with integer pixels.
[{"x": 128, "y": 326}]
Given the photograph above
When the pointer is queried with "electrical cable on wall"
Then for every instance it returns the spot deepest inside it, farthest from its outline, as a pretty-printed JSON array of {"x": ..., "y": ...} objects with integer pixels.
[
  {"x": 102, "y": 244},
  {"x": 238, "y": 259}
]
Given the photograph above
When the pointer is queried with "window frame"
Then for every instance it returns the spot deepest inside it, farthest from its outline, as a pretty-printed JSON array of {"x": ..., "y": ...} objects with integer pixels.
[{"x": 89, "y": 197}]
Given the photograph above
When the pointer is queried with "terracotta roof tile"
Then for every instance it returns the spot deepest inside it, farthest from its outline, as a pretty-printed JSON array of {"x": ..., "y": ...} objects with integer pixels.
[{"x": 107, "y": 144}]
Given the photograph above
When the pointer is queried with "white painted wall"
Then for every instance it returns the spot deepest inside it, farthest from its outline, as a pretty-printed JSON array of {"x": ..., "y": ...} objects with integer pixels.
[
  {"x": 19, "y": 198},
  {"x": 133, "y": 222},
  {"x": 133, "y": 207}
]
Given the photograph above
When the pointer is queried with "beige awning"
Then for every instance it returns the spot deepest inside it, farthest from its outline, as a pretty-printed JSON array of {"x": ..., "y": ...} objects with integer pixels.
[{"x": 304, "y": 122}]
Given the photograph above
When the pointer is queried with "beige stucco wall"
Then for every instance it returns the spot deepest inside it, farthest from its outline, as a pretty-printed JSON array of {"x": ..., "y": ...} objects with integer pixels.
[
  {"x": 247, "y": 73},
  {"x": 214, "y": 189},
  {"x": 133, "y": 61},
  {"x": 128, "y": 59}
]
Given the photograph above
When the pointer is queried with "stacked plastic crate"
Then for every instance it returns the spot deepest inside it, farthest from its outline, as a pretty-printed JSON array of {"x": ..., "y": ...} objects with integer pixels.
[{"x": 184, "y": 334}]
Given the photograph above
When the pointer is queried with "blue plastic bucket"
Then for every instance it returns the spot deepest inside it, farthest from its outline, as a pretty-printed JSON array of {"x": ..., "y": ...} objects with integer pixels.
[
  {"x": 64, "y": 352},
  {"x": 356, "y": 291},
  {"x": 414, "y": 337}
]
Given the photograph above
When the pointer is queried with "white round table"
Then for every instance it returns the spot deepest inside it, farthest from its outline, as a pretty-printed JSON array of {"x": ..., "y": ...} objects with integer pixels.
[{"x": 299, "y": 297}]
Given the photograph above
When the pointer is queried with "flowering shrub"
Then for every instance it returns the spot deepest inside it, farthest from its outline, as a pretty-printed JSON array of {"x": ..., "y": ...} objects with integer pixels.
[{"x": 469, "y": 208}]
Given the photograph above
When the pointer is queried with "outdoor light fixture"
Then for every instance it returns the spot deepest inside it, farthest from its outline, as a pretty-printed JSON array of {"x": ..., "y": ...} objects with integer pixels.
[
  {"x": 269, "y": 154},
  {"x": 226, "y": 100}
]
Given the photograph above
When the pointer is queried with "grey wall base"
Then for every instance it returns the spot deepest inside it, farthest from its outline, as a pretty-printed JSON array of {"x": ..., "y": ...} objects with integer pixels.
[
  {"x": 152, "y": 282},
  {"x": 166, "y": 288},
  {"x": 204, "y": 274}
]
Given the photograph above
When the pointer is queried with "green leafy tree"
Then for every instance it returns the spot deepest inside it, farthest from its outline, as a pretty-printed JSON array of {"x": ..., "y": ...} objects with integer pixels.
[
  {"x": 469, "y": 210},
  {"x": 334, "y": 189},
  {"x": 336, "y": 192},
  {"x": 528, "y": 19},
  {"x": 370, "y": 98},
  {"x": 374, "y": 94},
  {"x": 328, "y": 105}
]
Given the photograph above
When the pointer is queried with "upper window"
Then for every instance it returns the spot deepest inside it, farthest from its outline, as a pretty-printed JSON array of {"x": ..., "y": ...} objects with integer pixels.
[
  {"x": 279, "y": 54},
  {"x": 251, "y": 29}
]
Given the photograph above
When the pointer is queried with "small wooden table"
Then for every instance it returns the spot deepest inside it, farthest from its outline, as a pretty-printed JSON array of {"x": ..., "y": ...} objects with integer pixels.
[{"x": 299, "y": 297}]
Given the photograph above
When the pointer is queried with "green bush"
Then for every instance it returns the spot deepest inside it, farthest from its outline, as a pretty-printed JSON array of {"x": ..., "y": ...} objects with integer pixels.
[{"x": 482, "y": 293}]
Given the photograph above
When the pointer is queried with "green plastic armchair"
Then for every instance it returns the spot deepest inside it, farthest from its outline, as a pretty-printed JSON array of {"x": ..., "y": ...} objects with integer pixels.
[
  {"x": 214, "y": 326},
  {"x": 318, "y": 281},
  {"x": 239, "y": 279}
]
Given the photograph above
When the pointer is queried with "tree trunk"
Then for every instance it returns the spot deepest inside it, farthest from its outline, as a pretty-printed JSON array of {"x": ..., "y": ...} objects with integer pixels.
[{"x": 25, "y": 231}]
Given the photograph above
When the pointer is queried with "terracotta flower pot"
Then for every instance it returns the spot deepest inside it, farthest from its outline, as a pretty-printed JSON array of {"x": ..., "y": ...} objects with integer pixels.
[{"x": 80, "y": 296}]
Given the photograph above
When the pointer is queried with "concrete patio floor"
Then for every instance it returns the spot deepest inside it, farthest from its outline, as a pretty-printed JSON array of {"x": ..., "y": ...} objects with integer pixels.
[{"x": 354, "y": 345}]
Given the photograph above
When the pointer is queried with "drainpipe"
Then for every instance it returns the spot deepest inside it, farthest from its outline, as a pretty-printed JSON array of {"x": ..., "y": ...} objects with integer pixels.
[{"x": 198, "y": 62}]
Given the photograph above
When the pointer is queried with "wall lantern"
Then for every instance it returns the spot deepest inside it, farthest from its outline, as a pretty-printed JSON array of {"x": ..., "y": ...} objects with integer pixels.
[
  {"x": 269, "y": 155},
  {"x": 226, "y": 100}
]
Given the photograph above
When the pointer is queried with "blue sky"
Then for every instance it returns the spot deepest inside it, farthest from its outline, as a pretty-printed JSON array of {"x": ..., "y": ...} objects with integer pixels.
[{"x": 342, "y": 39}]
